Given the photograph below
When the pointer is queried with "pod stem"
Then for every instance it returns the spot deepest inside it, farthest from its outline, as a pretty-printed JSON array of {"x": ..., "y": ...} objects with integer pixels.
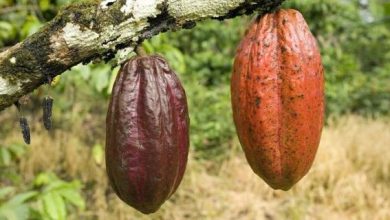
[
  {"x": 140, "y": 50},
  {"x": 49, "y": 80}
]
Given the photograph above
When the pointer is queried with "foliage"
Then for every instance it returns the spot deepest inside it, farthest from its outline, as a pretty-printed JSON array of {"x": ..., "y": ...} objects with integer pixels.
[
  {"x": 56, "y": 197},
  {"x": 11, "y": 152},
  {"x": 47, "y": 197},
  {"x": 16, "y": 207}
]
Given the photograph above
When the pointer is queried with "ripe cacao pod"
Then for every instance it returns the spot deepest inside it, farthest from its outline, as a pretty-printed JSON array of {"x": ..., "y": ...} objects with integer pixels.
[
  {"x": 277, "y": 91},
  {"x": 147, "y": 133}
]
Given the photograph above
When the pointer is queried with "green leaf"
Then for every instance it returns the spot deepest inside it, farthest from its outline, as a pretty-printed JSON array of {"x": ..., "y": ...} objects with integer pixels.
[
  {"x": 44, "y": 178},
  {"x": 17, "y": 150},
  {"x": 23, "y": 197},
  {"x": 83, "y": 70},
  {"x": 31, "y": 26},
  {"x": 12, "y": 212},
  {"x": 15, "y": 207},
  {"x": 74, "y": 197},
  {"x": 114, "y": 74},
  {"x": 7, "y": 31},
  {"x": 386, "y": 7},
  {"x": 148, "y": 47},
  {"x": 60, "y": 204},
  {"x": 44, "y": 4},
  {"x": 5, "y": 156},
  {"x": 64, "y": 2},
  {"x": 56, "y": 185},
  {"x": 100, "y": 77},
  {"x": 175, "y": 57},
  {"x": 4, "y": 192},
  {"x": 98, "y": 153},
  {"x": 54, "y": 206}
]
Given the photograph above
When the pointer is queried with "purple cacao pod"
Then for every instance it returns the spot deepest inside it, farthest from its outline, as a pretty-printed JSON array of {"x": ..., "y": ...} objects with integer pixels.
[{"x": 147, "y": 133}]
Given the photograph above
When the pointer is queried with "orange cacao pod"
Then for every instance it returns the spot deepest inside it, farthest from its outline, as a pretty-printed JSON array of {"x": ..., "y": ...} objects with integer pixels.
[
  {"x": 277, "y": 91},
  {"x": 147, "y": 133}
]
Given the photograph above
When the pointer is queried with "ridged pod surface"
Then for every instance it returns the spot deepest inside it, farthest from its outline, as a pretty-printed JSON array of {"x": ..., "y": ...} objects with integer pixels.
[
  {"x": 277, "y": 91},
  {"x": 147, "y": 133}
]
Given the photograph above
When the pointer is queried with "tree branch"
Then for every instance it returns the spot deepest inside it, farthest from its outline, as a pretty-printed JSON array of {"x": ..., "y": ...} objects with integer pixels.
[{"x": 100, "y": 29}]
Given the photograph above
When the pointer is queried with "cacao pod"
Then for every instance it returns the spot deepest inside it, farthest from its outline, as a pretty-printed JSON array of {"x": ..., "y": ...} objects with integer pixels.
[
  {"x": 277, "y": 91},
  {"x": 147, "y": 133}
]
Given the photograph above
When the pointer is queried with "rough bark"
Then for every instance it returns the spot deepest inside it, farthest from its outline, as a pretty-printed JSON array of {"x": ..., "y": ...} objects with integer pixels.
[{"x": 103, "y": 29}]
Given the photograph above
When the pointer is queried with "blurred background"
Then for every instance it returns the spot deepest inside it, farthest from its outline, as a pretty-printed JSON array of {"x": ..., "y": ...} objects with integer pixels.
[{"x": 61, "y": 175}]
